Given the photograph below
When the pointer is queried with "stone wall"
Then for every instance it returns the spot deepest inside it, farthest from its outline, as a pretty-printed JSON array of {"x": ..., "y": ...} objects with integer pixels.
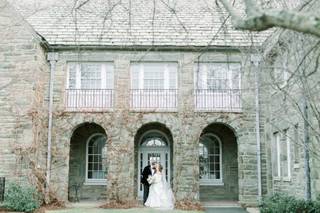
[
  {"x": 297, "y": 54},
  {"x": 23, "y": 75},
  {"x": 121, "y": 126},
  {"x": 23, "y": 119}
]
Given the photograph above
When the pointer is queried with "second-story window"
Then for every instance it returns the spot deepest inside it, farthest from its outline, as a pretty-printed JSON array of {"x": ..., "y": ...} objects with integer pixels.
[
  {"x": 154, "y": 76},
  {"x": 90, "y": 76},
  {"x": 217, "y": 86},
  {"x": 154, "y": 86},
  {"x": 89, "y": 86}
]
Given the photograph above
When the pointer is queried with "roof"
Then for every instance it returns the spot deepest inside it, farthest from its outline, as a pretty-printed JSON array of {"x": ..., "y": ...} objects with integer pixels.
[{"x": 181, "y": 23}]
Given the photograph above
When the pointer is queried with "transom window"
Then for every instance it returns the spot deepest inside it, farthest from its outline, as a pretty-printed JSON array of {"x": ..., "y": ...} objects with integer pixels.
[
  {"x": 154, "y": 142},
  {"x": 217, "y": 76},
  {"x": 87, "y": 75},
  {"x": 96, "y": 158},
  {"x": 152, "y": 75},
  {"x": 210, "y": 160}
]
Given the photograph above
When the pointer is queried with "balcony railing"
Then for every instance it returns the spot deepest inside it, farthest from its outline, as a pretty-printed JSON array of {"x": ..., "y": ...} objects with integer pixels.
[
  {"x": 89, "y": 99},
  {"x": 217, "y": 100},
  {"x": 153, "y": 99}
]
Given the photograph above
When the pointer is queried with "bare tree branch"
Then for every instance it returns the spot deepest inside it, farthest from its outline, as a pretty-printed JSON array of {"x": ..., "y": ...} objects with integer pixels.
[{"x": 259, "y": 20}]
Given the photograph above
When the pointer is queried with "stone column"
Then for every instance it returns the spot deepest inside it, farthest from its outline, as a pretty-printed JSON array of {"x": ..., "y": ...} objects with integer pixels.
[
  {"x": 120, "y": 185},
  {"x": 185, "y": 156}
]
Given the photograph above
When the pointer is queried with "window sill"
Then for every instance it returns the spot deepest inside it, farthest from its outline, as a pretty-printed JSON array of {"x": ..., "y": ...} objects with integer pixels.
[
  {"x": 89, "y": 110},
  {"x": 161, "y": 110},
  {"x": 276, "y": 178},
  {"x": 211, "y": 183},
  {"x": 95, "y": 183},
  {"x": 286, "y": 179}
]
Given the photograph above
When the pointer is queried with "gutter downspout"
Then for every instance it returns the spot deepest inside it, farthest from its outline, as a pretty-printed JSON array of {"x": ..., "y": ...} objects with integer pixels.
[
  {"x": 255, "y": 59},
  {"x": 52, "y": 58}
]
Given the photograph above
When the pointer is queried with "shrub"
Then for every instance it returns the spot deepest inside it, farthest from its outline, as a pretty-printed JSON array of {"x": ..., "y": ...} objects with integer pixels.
[
  {"x": 288, "y": 204},
  {"x": 21, "y": 198}
]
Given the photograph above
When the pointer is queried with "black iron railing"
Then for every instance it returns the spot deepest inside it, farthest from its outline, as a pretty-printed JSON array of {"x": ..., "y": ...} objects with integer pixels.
[
  {"x": 153, "y": 99},
  {"x": 89, "y": 99},
  {"x": 217, "y": 100}
]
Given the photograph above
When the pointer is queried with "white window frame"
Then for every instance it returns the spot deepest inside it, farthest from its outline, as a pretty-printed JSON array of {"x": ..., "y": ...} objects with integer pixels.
[
  {"x": 214, "y": 182},
  {"x": 204, "y": 74},
  {"x": 93, "y": 181},
  {"x": 276, "y": 138},
  {"x": 288, "y": 145},
  {"x": 103, "y": 69},
  {"x": 165, "y": 65}
]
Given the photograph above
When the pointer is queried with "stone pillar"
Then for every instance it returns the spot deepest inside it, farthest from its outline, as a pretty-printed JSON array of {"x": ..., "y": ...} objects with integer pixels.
[
  {"x": 185, "y": 149},
  {"x": 120, "y": 186}
]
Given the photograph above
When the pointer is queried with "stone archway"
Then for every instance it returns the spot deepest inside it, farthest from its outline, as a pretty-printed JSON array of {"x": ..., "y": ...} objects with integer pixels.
[
  {"x": 153, "y": 142},
  {"x": 218, "y": 163},
  {"x": 87, "y": 163}
]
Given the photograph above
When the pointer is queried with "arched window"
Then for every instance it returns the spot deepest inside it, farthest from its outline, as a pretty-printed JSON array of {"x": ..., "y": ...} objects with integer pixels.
[
  {"x": 154, "y": 142},
  {"x": 210, "y": 159},
  {"x": 96, "y": 158}
]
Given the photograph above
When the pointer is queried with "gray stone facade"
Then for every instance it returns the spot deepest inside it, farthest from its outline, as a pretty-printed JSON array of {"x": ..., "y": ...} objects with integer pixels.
[
  {"x": 283, "y": 107},
  {"x": 24, "y": 77},
  {"x": 121, "y": 125},
  {"x": 296, "y": 54}
]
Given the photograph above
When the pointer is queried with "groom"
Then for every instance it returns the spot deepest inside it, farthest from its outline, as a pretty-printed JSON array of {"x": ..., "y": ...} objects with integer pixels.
[{"x": 147, "y": 171}]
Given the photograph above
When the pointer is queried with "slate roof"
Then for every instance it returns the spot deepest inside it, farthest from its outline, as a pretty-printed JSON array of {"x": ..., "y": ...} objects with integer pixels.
[{"x": 181, "y": 23}]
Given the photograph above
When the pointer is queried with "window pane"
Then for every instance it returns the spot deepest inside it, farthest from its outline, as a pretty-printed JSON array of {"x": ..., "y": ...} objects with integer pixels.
[
  {"x": 284, "y": 154},
  {"x": 154, "y": 76},
  {"x": 96, "y": 165},
  {"x": 89, "y": 174},
  {"x": 217, "y": 76},
  {"x": 90, "y": 76},
  {"x": 209, "y": 157},
  {"x": 72, "y": 75},
  {"x": 275, "y": 154}
]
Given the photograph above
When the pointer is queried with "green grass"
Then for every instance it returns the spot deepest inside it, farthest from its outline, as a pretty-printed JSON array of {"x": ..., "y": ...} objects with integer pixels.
[{"x": 99, "y": 210}]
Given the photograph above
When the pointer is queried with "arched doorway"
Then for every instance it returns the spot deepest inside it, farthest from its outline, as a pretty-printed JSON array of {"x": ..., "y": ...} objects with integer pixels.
[
  {"x": 87, "y": 163},
  {"x": 153, "y": 142},
  {"x": 218, "y": 163}
]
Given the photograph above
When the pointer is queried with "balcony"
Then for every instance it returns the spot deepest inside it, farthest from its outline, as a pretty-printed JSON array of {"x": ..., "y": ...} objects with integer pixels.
[
  {"x": 89, "y": 99},
  {"x": 221, "y": 100},
  {"x": 154, "y": 99}
]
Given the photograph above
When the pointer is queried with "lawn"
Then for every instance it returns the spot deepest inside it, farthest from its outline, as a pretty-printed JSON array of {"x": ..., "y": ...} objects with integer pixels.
[{"x": 99, "y": 210}]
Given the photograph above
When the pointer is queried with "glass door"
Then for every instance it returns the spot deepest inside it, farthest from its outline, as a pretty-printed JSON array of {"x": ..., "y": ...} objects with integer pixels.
[{"x": 148, "y": 156}]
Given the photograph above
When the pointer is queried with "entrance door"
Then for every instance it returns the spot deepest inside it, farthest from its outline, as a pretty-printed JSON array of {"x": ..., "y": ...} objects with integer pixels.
[{"x": 158, "y": 155}]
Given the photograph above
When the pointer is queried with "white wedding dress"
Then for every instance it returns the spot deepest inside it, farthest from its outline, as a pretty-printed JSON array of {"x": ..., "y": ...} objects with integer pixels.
[{"x": 160, "y": 193}]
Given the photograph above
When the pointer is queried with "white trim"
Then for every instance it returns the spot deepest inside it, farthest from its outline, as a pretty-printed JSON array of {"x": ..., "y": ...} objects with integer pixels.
[
  {"x": 214, "y": 181},
  {"x": 211, "y": 183},
  {"x": 103, "y": 77},
  {"x": 166, "y": 77},
  {"x": 288, "y": 154},
  {"x": 78, "y": 75},
  {"x": 104, "y": 66},
  {"x": 93, "y": 181},
  {"x": 278, "y": 154},
  {"x": 141, "y": 76},
  {"x": 68, "y": 76},
  {"x": 97, "y": 182}
]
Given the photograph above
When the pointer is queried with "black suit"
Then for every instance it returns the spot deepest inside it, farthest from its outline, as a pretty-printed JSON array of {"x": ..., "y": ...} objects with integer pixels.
[{"x": 144, "y": 180}]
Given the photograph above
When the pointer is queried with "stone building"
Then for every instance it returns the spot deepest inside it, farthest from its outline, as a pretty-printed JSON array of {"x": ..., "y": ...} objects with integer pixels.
[
  {"x": 173, "y": 86},
  {"x": 291, "y": 84}
]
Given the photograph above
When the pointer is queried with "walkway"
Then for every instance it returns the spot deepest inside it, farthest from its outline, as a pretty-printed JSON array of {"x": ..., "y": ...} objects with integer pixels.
[{"x": 93, "y": 207}]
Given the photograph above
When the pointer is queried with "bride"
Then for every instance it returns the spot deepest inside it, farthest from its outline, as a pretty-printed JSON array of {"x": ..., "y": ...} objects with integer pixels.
[{"x": 160, "y": 194}]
